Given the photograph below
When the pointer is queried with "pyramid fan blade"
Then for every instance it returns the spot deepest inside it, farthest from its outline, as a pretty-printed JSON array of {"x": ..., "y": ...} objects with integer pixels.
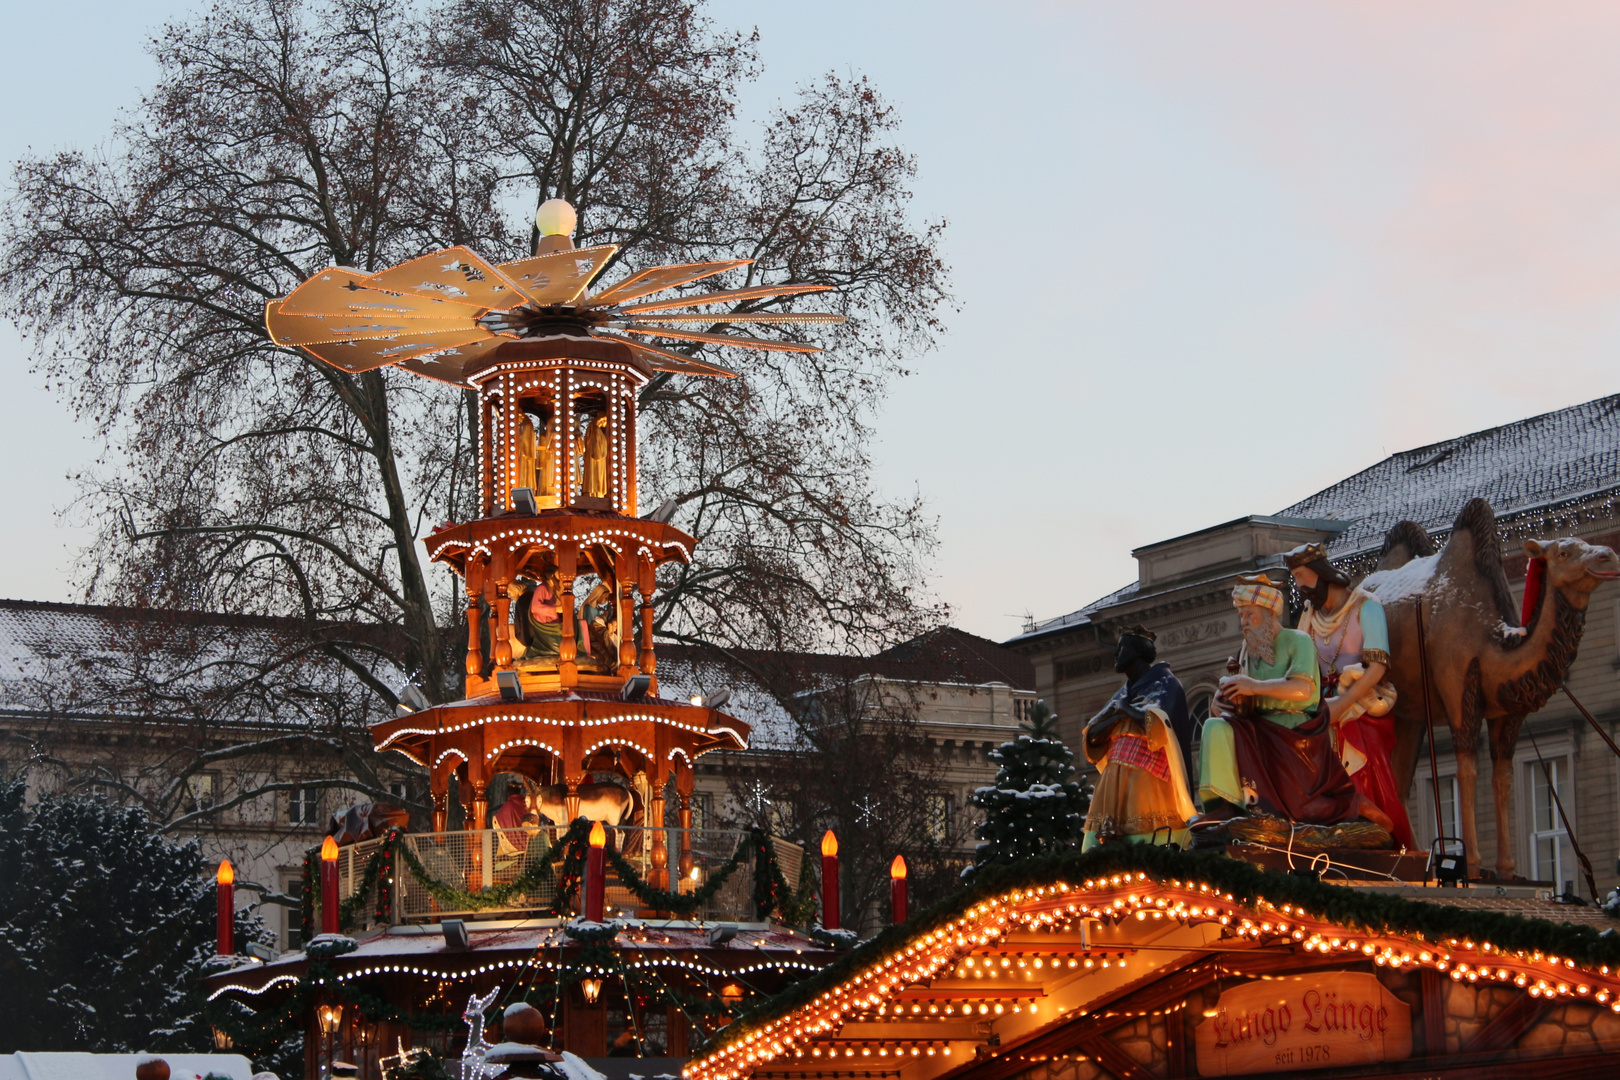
[
  {"x": 659, "y": 278},
  {"x": 753, "y": 292},
  {"x": 761, "y": 317},
  {"x": 319, "y": 329},
  {"x": 558, "y": 277},
  {"x": 664, "y": 360},
  {"x": 339, "y": 290},
  {"x": 726, "y": 339},
  {"x": 364, "y": 354},
  {"x": 457, "y": 274},
  {"x": 450, "y": 365}
]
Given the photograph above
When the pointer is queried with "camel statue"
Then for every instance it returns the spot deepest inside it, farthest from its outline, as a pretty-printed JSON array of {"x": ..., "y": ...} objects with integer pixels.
[{"x": 1486, "y": 664}]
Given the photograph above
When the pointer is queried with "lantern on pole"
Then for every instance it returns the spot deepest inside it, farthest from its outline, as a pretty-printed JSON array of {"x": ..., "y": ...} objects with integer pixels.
[
  {"x": 329, "y": 886},
  {"x": 225, "y": 889},
  {"x": 897, "y": 889},
  {"x": 829, "y": 881},
  {"x": 595, "y": 873}
]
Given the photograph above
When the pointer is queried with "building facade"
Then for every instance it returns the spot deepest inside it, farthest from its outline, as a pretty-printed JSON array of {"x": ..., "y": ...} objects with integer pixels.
[{"x": 1548, "y": 476}]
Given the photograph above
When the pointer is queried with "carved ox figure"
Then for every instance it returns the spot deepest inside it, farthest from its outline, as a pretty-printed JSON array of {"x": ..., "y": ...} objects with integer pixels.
[
  {"x": 607, "y": 803},
  {"x": 1485, "y": 666}
]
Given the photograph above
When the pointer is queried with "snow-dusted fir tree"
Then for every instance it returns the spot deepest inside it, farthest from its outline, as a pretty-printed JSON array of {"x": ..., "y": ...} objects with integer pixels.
[
  {"x": 1036, "y": 806},
  {"x": 105, "y": 927}
]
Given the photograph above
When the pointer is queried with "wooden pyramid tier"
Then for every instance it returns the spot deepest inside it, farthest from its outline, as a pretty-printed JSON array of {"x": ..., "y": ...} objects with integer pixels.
[{"x": 559, "y": 740}]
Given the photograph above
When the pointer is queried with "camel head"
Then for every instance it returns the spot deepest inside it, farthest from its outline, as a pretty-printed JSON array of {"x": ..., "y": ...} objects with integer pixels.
[{"x": 1575, "y": 567}]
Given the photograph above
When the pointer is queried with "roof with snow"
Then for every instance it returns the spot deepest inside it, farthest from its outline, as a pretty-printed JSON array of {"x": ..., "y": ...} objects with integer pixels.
[
  {"x": 94, "y": 662},
  {"x": 1558, "y": 457}
]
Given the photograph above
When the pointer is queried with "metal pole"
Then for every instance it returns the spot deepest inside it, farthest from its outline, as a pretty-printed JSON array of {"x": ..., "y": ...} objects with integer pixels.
[
  {"x": 1590, "y": 719},
  {"x": 1428, "y": 720}
]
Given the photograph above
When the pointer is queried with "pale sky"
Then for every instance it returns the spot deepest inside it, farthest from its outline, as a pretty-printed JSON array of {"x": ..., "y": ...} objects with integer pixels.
[{"x": 1209, "y": 258}]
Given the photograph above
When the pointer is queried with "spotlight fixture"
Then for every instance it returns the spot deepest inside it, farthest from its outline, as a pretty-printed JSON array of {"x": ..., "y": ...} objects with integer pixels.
[
  {"x": 523, "y": 501},
  {"x": 413, "y": 698},
  {"x": 1448, "y": 861},
  {"x": 512, "y": 687},
  {"x": 455, "y": 934},
  {"x": 635, "y": 687},
  {"x": 721, "y": 934},
  {"x": 717, "y": 699}
]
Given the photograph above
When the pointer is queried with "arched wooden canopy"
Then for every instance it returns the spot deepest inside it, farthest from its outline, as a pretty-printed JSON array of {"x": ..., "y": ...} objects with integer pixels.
[{"x": 560, "y": 737}]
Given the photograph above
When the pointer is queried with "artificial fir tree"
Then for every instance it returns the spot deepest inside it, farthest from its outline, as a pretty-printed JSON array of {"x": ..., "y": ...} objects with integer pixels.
[{"x": 1036, "y": 806}]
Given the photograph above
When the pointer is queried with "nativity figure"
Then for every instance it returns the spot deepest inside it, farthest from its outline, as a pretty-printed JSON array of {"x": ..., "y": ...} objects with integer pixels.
[{"x": 1140, "y": 743}]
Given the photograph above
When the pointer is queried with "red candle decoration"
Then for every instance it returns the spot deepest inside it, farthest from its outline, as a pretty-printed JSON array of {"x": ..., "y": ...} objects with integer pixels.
[
  {"x": 897, "y": 889},
  {"x": 595, "y": 874},
  {"x": 329, "y": 886},
  {"x": 829, "y": 881},
  {"x": 225, "y": 888}
]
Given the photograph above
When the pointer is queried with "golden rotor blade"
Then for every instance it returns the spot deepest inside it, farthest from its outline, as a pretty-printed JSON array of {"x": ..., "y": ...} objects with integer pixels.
[
  {"x": 558, "y": 277},
  {"x": 450, "y": 365},
  {"x": 457, "y": 274},
  {"x": 664, "y": 360},
  {"x": 318, "y": 329},
  {"x": 725, "y": 339},
  {"x": 364, "y": 354},
  {"x": 339, "y": 290},
  {"x": 659, "y": 278},
  {"x": 753, "y": 292},
  {"x": 760, "y": 317}
]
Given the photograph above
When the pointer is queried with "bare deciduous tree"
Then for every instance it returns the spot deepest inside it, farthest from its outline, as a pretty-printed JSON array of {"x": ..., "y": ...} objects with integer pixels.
[{"x": 286, "y": 135}]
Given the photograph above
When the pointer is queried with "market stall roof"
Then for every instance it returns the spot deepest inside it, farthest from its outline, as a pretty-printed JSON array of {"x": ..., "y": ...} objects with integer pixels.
[
  {"x": 1053, "y": 955},
  {"x": 515, "y": 945}
]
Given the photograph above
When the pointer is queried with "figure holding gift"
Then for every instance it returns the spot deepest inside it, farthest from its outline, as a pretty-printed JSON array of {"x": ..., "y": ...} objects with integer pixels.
[{"x": 1139, "y": 742}]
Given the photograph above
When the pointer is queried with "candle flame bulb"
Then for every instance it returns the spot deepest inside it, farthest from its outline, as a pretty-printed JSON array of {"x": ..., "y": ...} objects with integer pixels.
[
  {"x": 598, "y": 835},
  {"x": 226, "y": 874},
  {"x": 897, "y": 869},
  {"x": 829, "y": 844},
  {"x": 329, "y": 850}
]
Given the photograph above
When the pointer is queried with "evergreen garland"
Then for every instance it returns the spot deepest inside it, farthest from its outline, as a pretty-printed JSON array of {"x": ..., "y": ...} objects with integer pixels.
[
  {"x": 1036, "y": 807},
  {"x": 771, "y": 892},
  {"x": 679, "y": 903}
]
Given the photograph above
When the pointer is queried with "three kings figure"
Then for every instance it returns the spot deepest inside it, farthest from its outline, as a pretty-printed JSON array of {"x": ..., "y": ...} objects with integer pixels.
[{"x": 1300, "y": 730}]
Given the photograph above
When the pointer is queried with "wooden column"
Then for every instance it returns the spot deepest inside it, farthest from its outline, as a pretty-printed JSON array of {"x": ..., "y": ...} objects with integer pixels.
[
  {"x": 683, "y": 792},
  {"x": 509, "y": 429},
  {"x": 475, "y": 644},
  {"x": 479, "y": 820},
  {"x": 565, "y": 448},
  {"x": 568, "y": 649},
  {"x": 655, "y": 809},
  {"x": 630, "y": 497},
  {"x": 573, "y": 748},
  {"x": 624, "y": 610},
  {"x": 647, "y": 661},
  {"x": 501, "y": 639},
  {"x": 439, "y": 785},
  {"x": 488, "y": 443}
]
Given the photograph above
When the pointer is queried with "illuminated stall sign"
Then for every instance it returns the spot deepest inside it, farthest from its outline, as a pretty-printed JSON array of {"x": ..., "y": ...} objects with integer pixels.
[{"x": 1316, "y": 1021}]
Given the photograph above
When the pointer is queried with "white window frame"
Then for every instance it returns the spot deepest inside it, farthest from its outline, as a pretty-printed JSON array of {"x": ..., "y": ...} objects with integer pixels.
[
  {"x": 1562, "y": 778},
  {"x": 302, "y": 801},
  {"x": 1450, "y": 798}
]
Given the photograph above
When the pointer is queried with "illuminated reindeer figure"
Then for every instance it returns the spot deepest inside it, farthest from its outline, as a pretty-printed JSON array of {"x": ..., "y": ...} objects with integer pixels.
[{"x": 472, "y": 1058}]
